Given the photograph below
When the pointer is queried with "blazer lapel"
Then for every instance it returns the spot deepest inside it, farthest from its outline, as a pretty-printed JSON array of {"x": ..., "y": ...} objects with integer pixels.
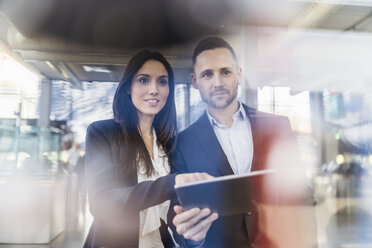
[
  {"x": 209, "y": 142},
  {"x": 257, "y": 134}
]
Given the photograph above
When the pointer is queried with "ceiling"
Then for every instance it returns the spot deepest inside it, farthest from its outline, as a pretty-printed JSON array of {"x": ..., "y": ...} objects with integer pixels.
[{"x": 92, "y": 40}]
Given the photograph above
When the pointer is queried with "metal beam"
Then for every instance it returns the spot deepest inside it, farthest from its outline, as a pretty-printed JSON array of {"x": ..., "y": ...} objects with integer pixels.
[
  {"x": 94, "y": 58},
  {"x": 69, "y": 75}
]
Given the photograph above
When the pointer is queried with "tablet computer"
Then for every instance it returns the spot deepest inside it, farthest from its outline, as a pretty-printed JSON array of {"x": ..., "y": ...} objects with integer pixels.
[{"x": 229, "y": 195}]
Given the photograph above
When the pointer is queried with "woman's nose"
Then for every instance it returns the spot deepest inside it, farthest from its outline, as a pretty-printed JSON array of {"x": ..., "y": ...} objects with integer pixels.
[{"x": 153, "y": 88}]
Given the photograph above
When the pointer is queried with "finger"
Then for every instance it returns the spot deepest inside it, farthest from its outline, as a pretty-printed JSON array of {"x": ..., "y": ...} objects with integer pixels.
[
  {"x": 195, "y": 177},
  {"x": 202, "y": 176},
  {"x": 177, "y": 209},
  {"x": 186, "y": 225},
  {"x": 187, "y": 177},
  {"x": 192, "y": 177},
  {"x": 185, "y": 216},
  {"x": 206, "y": 176},
  {"x": 180, "y": 179},
  {"x": 199, "y": 176},
  {"x": 200, "y": 235},
  {"x": 199, "y": 231}
]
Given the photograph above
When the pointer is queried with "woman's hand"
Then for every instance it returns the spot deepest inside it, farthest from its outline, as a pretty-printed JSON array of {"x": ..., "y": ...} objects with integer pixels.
[{"x": 191, "y": 177}]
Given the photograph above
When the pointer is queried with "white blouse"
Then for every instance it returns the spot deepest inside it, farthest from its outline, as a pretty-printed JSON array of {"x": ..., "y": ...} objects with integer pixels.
[{"x": 149, "y": 234}]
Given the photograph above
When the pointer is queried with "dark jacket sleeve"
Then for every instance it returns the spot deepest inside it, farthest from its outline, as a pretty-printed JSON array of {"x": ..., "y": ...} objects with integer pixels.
[{"x": 108, "y": 195}]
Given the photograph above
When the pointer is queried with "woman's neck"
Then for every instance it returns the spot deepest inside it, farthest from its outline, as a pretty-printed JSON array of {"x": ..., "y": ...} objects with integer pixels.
[{"x": 145, "y": 125}]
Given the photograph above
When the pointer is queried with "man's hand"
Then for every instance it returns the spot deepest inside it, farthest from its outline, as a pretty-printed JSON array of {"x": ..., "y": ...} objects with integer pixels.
[{"x": 194, "y": 223}]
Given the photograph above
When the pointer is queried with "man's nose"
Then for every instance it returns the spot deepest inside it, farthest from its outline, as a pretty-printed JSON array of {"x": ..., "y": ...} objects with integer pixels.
[{"x": 217, "y": 81}]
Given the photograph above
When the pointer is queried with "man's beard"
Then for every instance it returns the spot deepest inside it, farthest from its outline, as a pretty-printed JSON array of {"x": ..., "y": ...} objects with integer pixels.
[{"x": 213, "y": 102}]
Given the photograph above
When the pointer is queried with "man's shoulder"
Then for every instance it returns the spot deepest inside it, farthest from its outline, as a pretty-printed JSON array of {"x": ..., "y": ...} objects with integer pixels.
[
  {"x": 194, "y": 128},
  {"x": 254, "y": 113}
]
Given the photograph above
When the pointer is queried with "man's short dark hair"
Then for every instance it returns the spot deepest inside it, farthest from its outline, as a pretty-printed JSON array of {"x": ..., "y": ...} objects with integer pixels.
[{"x": 211, "y": 43}]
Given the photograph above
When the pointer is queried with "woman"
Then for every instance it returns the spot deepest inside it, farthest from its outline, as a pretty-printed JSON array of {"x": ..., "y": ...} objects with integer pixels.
[{"x": 127, "y": 168}]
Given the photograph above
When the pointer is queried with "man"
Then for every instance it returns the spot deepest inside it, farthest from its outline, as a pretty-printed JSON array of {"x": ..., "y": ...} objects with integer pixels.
[{"x": 229, "y": 138}]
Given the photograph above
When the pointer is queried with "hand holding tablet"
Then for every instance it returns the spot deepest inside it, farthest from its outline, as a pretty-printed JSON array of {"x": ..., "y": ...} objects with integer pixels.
[{"x": 226, "y": 195}]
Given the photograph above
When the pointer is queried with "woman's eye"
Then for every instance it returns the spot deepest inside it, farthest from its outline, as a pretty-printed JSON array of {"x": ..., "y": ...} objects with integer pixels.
[
  {"x": 163, "y": 82},
  {"x": 143, "y": 80}
]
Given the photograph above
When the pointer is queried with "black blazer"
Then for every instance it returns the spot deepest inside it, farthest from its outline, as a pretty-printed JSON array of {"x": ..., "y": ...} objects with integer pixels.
[
  {"x": 115, "y": 197},
  {"x": 198, "y": 150}
]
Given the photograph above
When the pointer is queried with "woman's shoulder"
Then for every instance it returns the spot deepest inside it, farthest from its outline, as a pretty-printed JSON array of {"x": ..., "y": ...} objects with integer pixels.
[{"x": 102, "y": 126}]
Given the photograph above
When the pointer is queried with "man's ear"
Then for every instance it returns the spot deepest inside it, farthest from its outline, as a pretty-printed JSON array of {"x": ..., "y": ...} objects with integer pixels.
[
  {"x": 239, "y": 72},
  {"x": 193, "y": 80}
]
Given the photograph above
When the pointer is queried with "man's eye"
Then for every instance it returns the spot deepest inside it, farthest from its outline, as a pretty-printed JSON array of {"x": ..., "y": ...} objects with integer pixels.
[
  {"x": 207, "y": 75},
  {"x": 226, "y": 73}
]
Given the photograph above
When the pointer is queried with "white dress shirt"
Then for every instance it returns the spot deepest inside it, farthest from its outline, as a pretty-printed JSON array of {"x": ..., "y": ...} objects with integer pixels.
[
  {"x": 149, "y": 234},
  {"x": 236, "y": 141}
]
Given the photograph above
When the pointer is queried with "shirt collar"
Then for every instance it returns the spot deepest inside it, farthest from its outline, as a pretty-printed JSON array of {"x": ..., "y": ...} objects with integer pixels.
[{"x": 240, "y": 114}]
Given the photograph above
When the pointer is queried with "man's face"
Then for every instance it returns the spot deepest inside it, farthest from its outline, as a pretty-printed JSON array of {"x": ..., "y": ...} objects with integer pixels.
[{"x": 217, "y": 76}]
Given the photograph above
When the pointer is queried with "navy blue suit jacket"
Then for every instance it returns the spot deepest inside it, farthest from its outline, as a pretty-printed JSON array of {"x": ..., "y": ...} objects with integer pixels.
[
  {"x": 198, "y": 150},
  {"x": 115, "y": 196}
]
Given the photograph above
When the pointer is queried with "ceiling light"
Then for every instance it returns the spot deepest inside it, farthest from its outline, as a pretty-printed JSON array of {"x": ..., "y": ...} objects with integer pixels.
[{"x": 99, "y": 69}]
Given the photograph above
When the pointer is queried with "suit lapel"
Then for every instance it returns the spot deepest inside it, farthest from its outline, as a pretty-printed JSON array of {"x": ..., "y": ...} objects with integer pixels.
[
  {"x": 257, "y": 134},
  {"x": 209, "y": 142}
]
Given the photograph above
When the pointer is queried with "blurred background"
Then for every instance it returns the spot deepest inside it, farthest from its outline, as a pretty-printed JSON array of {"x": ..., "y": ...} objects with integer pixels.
[{"x": 61, "y": 60}]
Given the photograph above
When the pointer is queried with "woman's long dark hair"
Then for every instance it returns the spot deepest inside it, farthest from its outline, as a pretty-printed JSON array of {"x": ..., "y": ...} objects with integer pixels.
[{"x": 131, "y": 145}]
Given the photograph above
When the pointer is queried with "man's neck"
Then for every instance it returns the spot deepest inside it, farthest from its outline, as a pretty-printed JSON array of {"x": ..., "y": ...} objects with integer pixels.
[{"x": 224, "y": 116}]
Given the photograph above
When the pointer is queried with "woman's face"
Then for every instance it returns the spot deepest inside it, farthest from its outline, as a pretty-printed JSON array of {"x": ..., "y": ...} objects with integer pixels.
[{"x": 150, "y": 89}]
